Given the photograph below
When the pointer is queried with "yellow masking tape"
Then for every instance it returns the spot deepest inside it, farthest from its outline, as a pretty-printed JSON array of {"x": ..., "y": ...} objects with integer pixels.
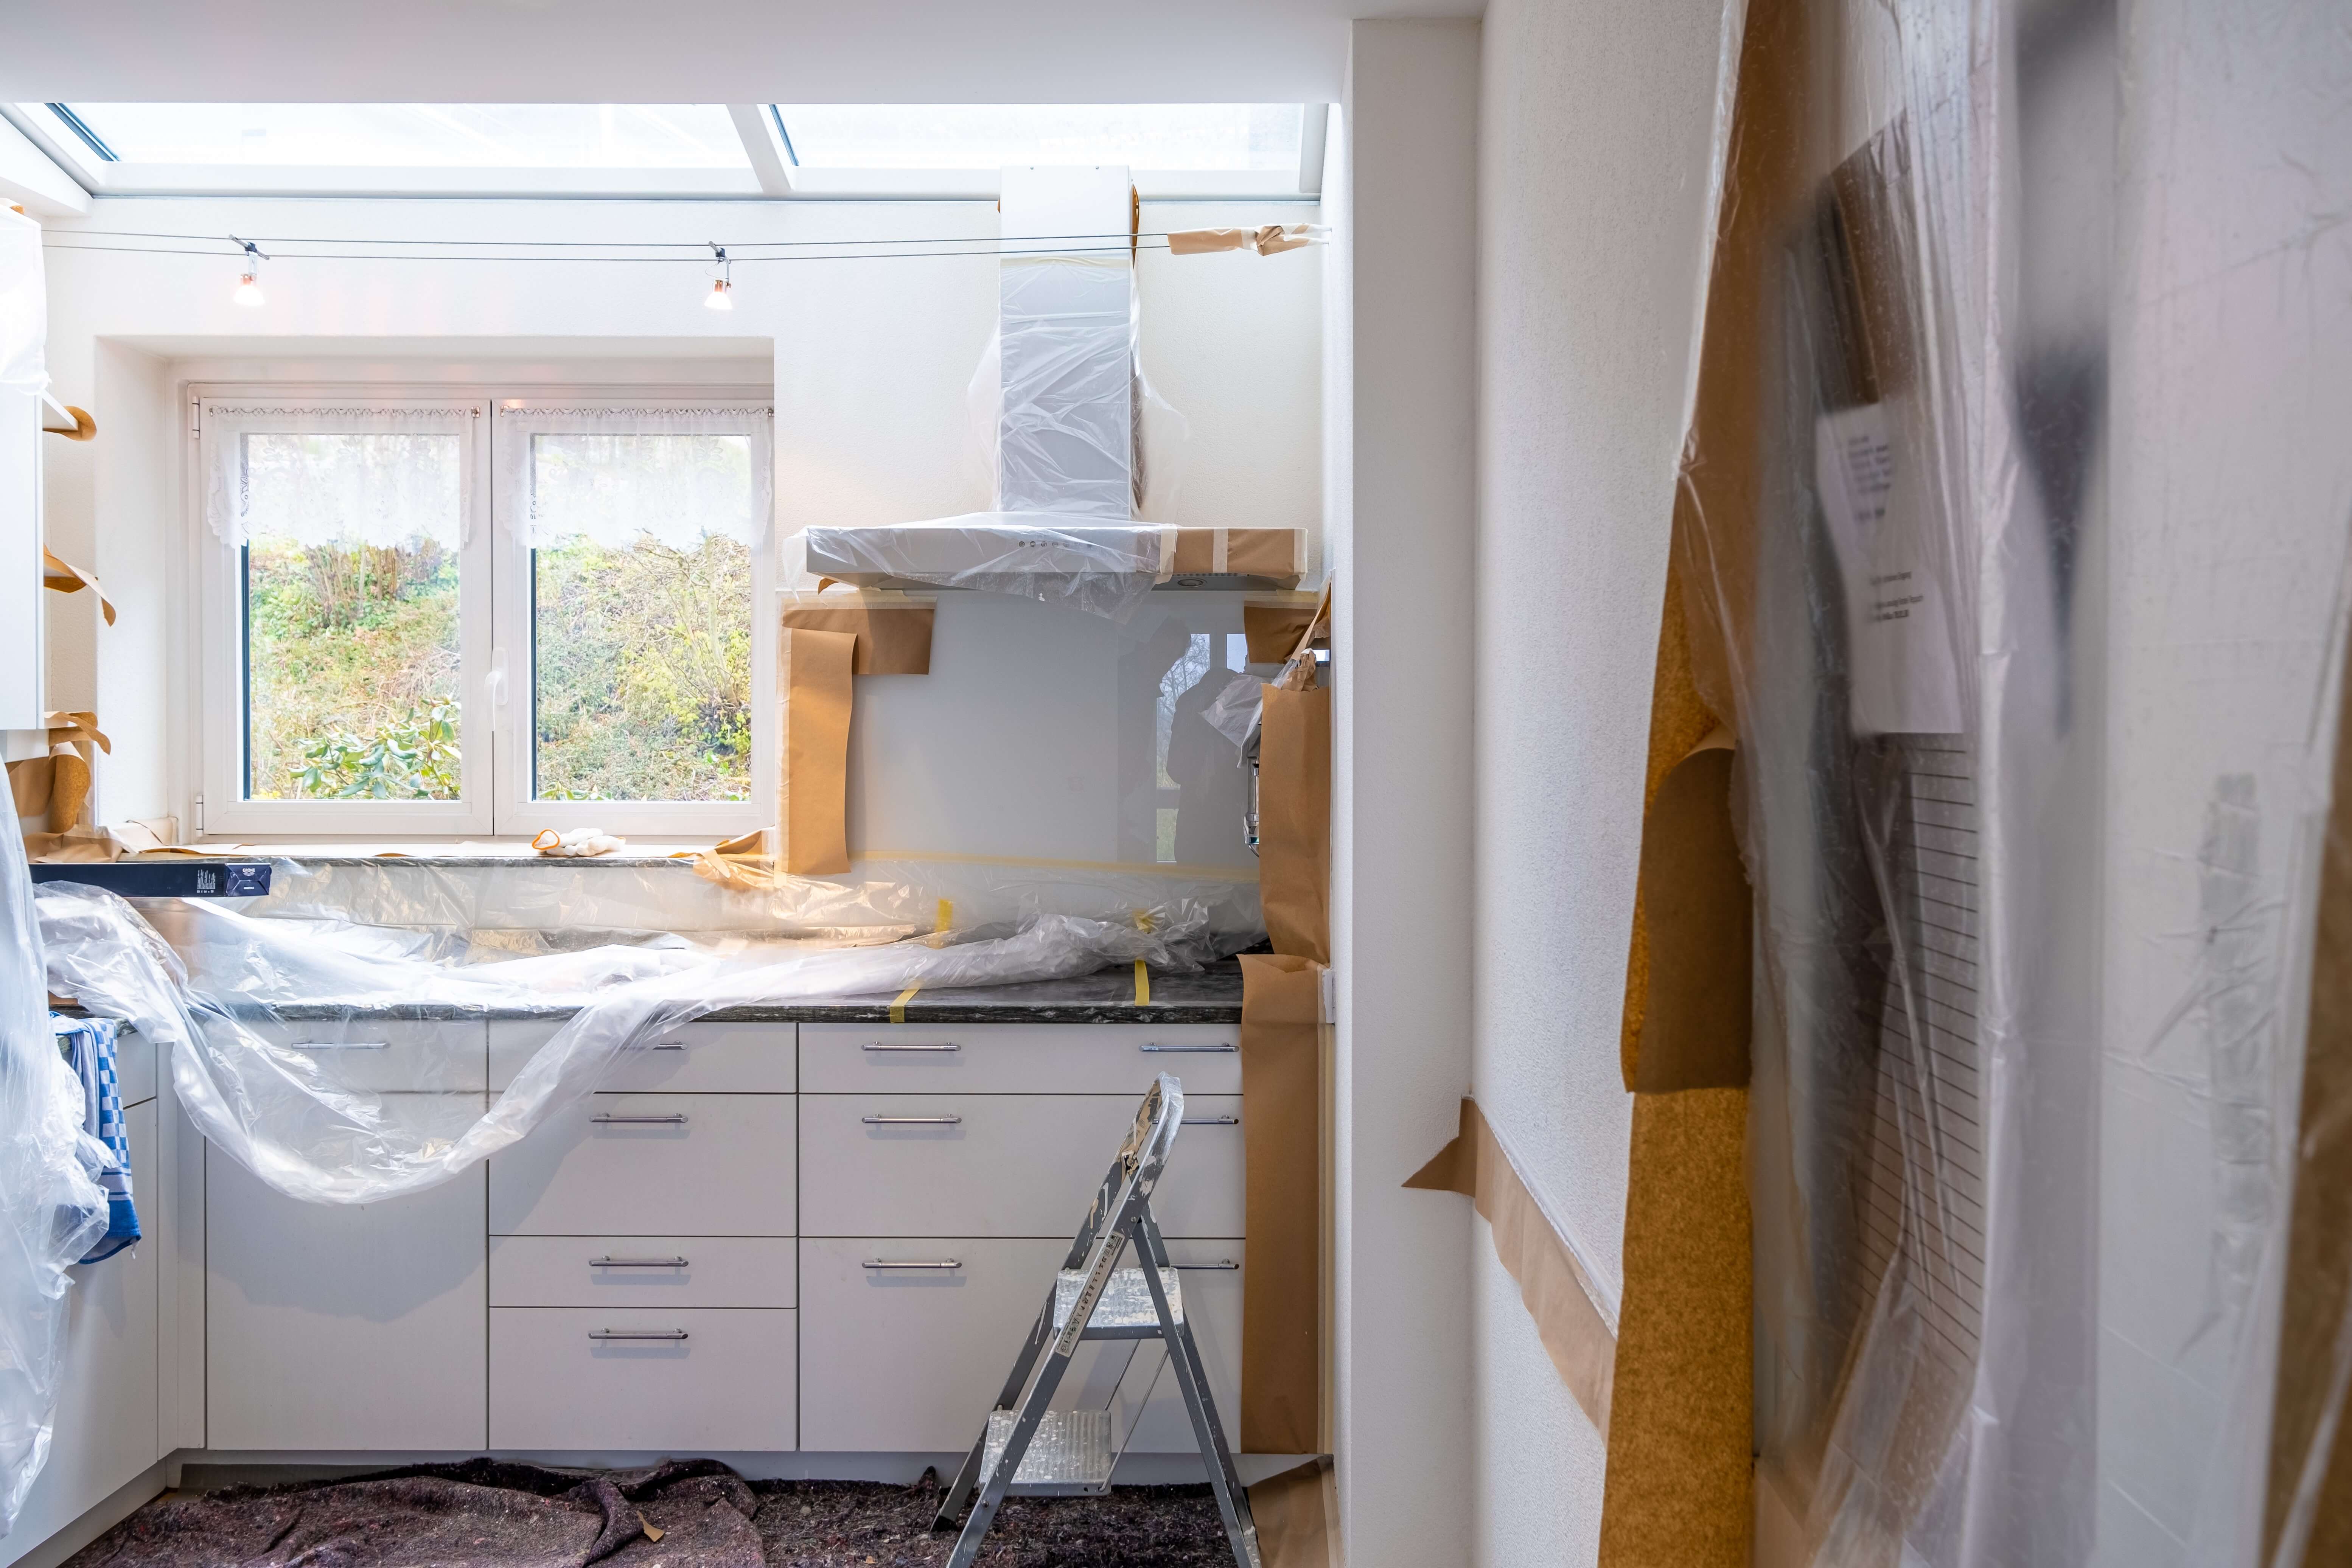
[
  {"x": 899, "y": 1006},
  {"x": 1142, "y": 983},
  {"x": 947, "y": 913}
]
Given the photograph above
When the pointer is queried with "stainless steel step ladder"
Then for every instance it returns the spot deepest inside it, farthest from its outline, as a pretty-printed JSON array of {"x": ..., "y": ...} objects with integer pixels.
[{"x": 1027, "y": 1449}]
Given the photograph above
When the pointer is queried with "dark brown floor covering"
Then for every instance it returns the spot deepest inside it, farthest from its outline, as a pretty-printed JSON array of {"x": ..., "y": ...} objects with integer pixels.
[{"x": 487, "y": 1514}]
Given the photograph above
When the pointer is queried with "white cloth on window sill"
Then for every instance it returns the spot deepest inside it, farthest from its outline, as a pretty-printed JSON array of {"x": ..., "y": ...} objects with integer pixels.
[{"x": 580, "y": 843}]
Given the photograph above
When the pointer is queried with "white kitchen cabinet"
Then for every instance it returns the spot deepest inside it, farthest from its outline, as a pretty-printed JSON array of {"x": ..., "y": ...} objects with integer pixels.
[
  {"x": 106, "y": 1431},
  {"x": 1002, "y": 1164},
  {"x": 698, "y": 1059},
  {"x": 909, "y": 1359},
  {"x": 652, "y": 1165},
  {"x": 1018, "y": 1059},
  {"x": 387, "y": 1054},
  {"x": 638, "y": 1379},
  {"x": 642, "y": 1271},
  {"x": 347, "y": 1326}
]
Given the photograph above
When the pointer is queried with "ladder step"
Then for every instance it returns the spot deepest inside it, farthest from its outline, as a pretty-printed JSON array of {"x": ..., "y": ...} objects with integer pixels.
[
  {"x": 1125, "y": 1310},
  {"x": 1070, "y": 1456}
]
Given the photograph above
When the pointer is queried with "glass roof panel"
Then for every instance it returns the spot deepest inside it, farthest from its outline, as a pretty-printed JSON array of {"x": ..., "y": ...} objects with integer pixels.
[
  {"x": 1166, "y": 136},
  {"x": 418, "y": 135}
]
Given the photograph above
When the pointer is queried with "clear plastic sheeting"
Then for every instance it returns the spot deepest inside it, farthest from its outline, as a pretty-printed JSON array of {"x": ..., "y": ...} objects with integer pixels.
[
  {"x": 2011, "y": 538},
  {"x": 52, "y": 1210},
  {"x": 319, "y": 1124},
  {"x": 1104, "y": 568},
  {"x": 469, "y": 912},
  {"x": 385, "y": 475}
]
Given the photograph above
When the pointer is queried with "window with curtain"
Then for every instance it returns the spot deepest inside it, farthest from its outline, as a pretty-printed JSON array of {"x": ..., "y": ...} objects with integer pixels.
[{"x": 376, "y": 659}]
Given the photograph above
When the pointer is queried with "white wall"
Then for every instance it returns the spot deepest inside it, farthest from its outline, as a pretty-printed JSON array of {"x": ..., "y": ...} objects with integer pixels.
[
  {"x": 871, "y": 361},
  {"x": 1595, "y": 124},
  {"x": 1401, "y": 850}
]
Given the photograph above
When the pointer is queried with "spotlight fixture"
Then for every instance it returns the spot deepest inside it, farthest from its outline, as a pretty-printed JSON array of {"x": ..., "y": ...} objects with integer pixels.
[
  {"x": 722, "y": 286},
  {"x": 248, "y": 284}
]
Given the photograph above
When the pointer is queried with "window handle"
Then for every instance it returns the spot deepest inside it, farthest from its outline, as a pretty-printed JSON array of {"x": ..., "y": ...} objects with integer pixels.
[{"x": 497, "y": 678}]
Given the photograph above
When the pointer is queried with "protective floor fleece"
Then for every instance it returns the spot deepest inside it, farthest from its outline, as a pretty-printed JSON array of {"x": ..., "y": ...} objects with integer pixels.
[{"x": 696, "y": 1514}]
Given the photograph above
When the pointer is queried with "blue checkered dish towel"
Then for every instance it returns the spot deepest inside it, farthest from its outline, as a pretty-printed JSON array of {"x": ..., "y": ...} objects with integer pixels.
[{"x": 88, "y": 1045}]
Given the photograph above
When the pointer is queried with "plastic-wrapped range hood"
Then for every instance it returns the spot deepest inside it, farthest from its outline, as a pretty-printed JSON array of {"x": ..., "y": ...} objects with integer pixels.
[{"x": 1064, "y": 524}]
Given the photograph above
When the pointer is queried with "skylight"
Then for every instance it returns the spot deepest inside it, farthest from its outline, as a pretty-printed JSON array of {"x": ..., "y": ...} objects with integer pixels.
[
  {"x": 411, "y": 135},
  {"x": 1175, "y": 149},
  {"x": 1207, "y": 137}
]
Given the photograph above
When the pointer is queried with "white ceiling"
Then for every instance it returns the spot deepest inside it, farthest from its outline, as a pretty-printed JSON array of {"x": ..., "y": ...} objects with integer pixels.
[{"x": 703, "y": 51}]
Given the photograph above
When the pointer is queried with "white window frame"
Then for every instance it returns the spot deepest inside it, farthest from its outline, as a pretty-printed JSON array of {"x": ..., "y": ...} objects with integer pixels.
[
  {"x": 513, "y": 668},
  {"x": 494, "y": 640},
  {"x": 221, "y": 622}
]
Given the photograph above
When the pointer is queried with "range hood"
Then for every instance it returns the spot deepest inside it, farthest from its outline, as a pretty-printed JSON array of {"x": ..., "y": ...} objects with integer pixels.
[{"x": 1068, "y": 476}]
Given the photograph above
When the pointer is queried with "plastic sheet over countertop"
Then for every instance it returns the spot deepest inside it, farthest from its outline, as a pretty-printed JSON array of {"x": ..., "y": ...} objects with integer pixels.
[
  {"x": 306, "y": 1122},
  {"x": 52, "y": 1210}
]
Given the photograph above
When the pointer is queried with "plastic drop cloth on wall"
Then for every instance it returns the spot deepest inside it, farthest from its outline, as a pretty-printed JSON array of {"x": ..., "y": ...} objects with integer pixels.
[
  {"x": 52, "y": 1210},
  {"x": 2011, "y": 415},
  {"x": 320, "y": 1123}
]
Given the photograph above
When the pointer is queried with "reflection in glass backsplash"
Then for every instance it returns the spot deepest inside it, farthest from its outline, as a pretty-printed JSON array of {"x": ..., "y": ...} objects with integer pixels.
[{"x": 1185, "y": 795}]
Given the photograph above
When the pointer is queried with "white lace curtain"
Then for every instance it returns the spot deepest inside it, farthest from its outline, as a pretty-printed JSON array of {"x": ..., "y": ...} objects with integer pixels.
[
  {"x": 678, "y": 473},
  {"x": 381, "y": 474}
]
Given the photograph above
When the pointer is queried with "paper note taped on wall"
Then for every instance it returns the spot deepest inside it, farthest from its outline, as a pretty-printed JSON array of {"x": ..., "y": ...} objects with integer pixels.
[{"x": 1904, "y": 679}]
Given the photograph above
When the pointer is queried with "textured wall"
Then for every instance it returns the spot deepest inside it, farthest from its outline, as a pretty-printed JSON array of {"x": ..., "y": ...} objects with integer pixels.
[{"x": 1596, "y": 124}]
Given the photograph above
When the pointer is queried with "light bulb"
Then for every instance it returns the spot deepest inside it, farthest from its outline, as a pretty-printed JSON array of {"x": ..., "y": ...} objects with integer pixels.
[
  {"x": 249, "y": 292},
  {"x": 720, "y": 297}
]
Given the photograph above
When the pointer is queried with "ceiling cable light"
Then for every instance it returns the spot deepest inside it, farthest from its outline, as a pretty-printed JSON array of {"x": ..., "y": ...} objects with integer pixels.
[
  {"x": 249, "y": 285},
  {"x": 721, "y": 296}
]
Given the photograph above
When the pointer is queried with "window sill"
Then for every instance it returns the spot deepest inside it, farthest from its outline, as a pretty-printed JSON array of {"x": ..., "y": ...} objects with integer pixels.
[{"x": 639, "y": 852}]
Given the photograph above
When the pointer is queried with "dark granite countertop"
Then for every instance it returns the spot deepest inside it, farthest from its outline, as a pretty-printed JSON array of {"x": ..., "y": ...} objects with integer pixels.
[{"x": 1107, "y": 997}]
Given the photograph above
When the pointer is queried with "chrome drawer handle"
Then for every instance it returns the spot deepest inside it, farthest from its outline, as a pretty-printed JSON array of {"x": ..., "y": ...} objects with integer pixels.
[
  {"x": 897, "y": 1263},
  {"x": 607, "y": 1118},
  {"x": 1226, "y": 1050},
  {"x": 636, "y": 1333},
  {"x": 910, "y": 1120},
  {"x": 878, "y": 1046},
  {"x": 665, "y": 1045},
  {"x": 340, "y": 1046},
  {"x": 1220, "y": 1265},
  {"x": 637, "y": 1263},
  {"x": 1213, "y": 1122}
]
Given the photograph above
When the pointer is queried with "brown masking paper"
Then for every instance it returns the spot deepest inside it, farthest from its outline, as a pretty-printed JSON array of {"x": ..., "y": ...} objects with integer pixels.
[
  {"x": 892, "y": 639},
  {"x": 1271, "y": 552},
  {"x": 813, "y": 684},
  {"x": 1282, "y": 1311},
  {"x": 1272, "y": 631},
  {"x": 1679, "y": 720},
  {"x": 1200, "y": 241},
  {"x": 64, "y": 577},
  {"x": 1553, "y": 1287},
  {"x": 1293, "y": 1515},
  {"x": 1678, "y": 1492},
  {"x": 1294, "y": 821},
  {"x": 2310, "y": 1479},
  {"x": 1697, "y": 914}
]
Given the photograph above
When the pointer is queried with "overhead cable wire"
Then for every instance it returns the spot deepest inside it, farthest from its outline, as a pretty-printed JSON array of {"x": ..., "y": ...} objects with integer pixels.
[{"x": 286, "y": 255}]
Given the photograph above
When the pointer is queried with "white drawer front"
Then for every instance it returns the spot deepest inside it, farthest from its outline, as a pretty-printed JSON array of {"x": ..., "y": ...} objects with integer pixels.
[
  {"x": 651, "y": 1165},
  {"x": 565, "y": 1377},
  {"x": 1017, "y": 1058},
  {"x": 387, "y": 1053},
  {"x": 641, "y": 1271},
  {"x": 135, "y": 1065},
  {"x": 1002, "y": 1164},
  {"x": 910, "y": 1360},
  {"x": 698, "y": 1059}
]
